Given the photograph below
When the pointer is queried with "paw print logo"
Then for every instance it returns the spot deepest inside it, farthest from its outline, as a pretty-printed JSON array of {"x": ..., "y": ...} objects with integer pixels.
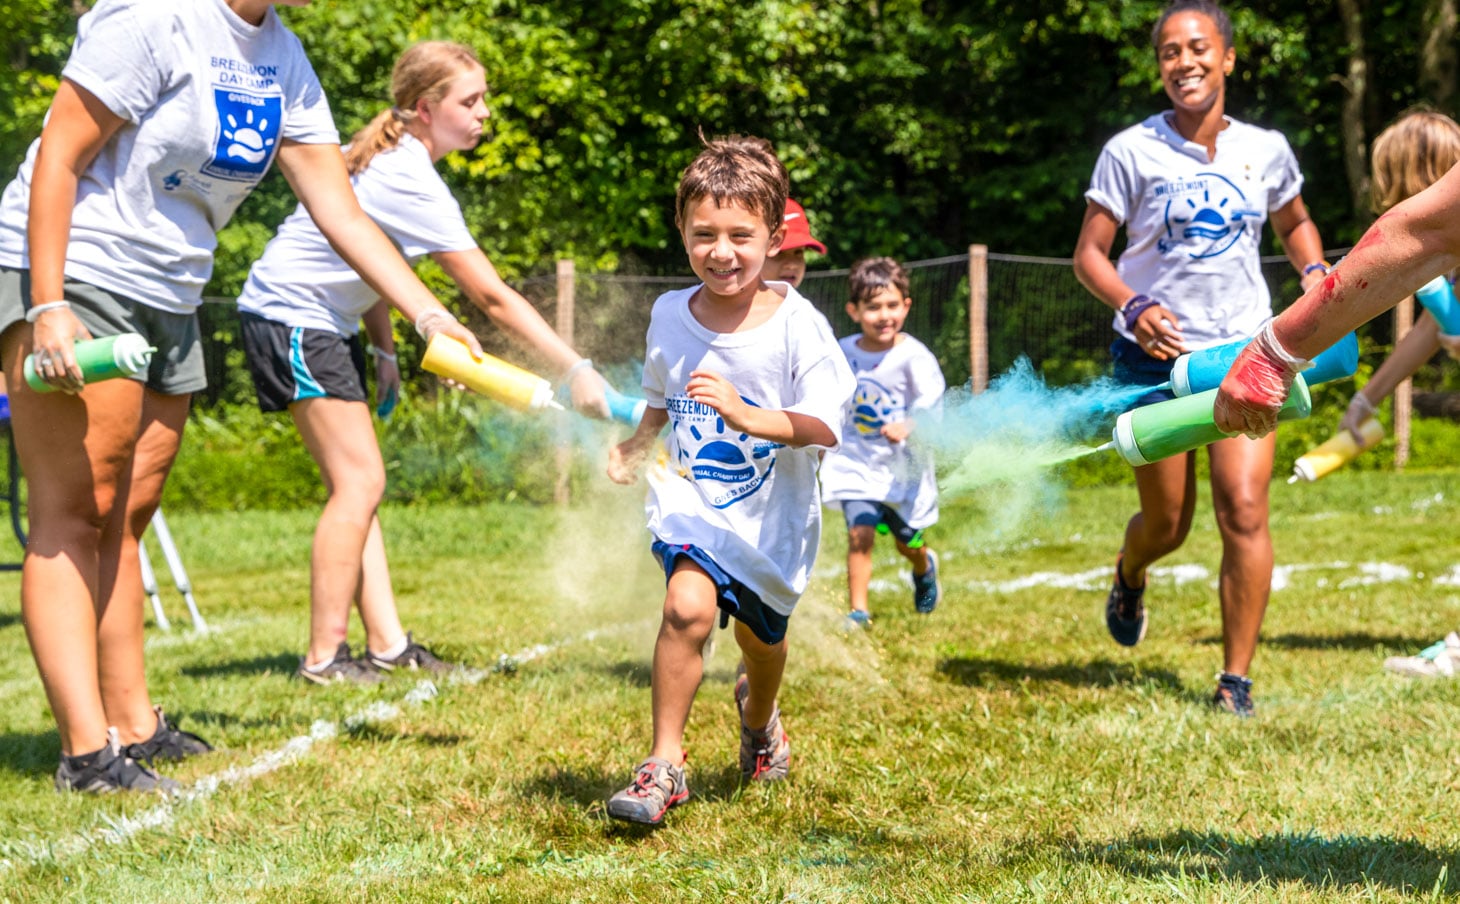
[
  {"x": 726, "y": 464},
  {"x": 248, "y": 142}
]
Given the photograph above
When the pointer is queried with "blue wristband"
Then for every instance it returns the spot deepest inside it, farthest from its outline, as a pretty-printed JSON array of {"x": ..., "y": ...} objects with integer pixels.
[{"x": 1133, "y": 308}]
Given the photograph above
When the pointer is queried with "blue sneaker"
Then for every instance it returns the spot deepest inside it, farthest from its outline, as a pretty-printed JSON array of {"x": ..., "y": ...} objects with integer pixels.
[
  {"x": 1125, "y": 613},
  {"x": 857, "y": 619},
  {"x": 927, "y": 590},
  {"x": 1234, "y": 694}
]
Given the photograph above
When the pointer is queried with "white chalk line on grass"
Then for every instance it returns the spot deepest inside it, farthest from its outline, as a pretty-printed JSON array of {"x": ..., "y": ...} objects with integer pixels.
[{"x": 120, "y": 828}]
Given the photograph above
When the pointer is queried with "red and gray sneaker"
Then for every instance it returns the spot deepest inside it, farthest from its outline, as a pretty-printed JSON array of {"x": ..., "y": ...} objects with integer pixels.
[
  {"x": 168, "y": 742},
  {"x": 1234, "y": 694},
  {"x": 658, "y": 786},
  {"x": 765, "y": 755},
  {"x": 109, "y": 769},
  {"x": 414, "y": 658},
  {"x": 1125, "y": 613}
]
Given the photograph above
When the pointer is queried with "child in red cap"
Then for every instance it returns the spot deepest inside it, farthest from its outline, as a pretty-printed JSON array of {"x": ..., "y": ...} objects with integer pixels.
[{"x": 789, "y": 264}]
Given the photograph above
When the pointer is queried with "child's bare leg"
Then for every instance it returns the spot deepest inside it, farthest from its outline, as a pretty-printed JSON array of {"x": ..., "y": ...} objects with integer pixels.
[
  {"x": 860, "y": 540},
  {"x": 689, "y": 617},
  {"x": 764, "y": 665},
  {"x": 917, "y": 557}
]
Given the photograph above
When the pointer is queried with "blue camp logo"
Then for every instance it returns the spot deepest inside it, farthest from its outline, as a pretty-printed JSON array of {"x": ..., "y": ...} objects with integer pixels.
[
  {"x": 172, "y": 180},
  {"x": 727, "y": 465},
  {"x": 1205, "y": 215},
  {"x": 248, "y": 132},
  {"x": 873, "y": 407}
]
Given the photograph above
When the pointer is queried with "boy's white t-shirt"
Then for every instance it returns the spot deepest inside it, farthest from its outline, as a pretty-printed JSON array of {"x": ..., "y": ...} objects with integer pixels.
[
  {"x": 751, "y": 504},
  {"x": 1194, "y": 226},
  {"x": 207, "y": 99},
  {"x": 301, "y": 281},
  {"x": 892, "y": 386}
]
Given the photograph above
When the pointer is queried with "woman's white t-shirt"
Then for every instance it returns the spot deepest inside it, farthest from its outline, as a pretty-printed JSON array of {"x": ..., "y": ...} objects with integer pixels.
[
  {"x": 1194, "y": 226},
  {"x": 301, "y": 281}
]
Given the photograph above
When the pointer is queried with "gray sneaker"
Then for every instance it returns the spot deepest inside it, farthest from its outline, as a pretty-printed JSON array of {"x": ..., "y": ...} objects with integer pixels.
[
  {"x": 765, "y": 755},
  {"x": 343, "y": 667},
  {"x": 414, "y": 658},
  {"x": 168, "y": 742},
  {"x": 108, "y": 770},
  {"x": 658, "y": 785}
]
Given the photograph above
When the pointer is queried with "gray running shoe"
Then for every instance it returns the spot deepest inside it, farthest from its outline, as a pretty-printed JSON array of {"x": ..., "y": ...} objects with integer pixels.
[
  {"x": 765, "y": 755},
  {"x": 168, "y": 742},
  {"x": 343, "y": 667},
  {"x": 1438, "y": 660},
  {"x": 108, "y": 770},
  {"x": 658, "y": 785},
  {"x": 414, "y": 658}
]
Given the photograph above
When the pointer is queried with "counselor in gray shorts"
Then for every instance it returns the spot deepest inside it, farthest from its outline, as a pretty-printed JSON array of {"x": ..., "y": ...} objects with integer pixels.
[{"x": 177, "y": 366}]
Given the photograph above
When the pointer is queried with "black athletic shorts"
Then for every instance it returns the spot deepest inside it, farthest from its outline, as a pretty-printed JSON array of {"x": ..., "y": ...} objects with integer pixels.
[{"x": 291, "y": 363}]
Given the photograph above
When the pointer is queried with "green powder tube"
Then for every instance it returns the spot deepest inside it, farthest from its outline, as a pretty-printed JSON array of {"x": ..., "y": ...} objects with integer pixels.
[
  {"x": 100, "y": 359},
  {"x": 1159, "y": 431}
]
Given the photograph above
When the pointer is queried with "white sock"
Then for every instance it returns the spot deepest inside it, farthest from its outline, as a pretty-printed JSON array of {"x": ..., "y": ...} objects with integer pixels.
[
  {"x": 393, "y": 652},
  {"x": 319, "y": 666}
]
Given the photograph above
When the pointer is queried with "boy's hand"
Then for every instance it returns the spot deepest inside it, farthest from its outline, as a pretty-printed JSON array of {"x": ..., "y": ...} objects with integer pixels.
[
  {"x": 709, "y": 388},
  {"x": 624, "y": 461},
  {"x": 897, "y": 431}
]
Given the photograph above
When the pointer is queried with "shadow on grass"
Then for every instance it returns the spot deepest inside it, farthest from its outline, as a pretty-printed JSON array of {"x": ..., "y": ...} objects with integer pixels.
[
  {"x": 371, "y": 731},
  {"x": 1339, "y": 862},
  {"x": 1353, "y": 640},
  {"x": 1097, "y": 673},
  {"x": 30, "y": 754},
  {"x": 278, "y": 663},
  {"x": 9, "y": 618},
  {"x": 641, "y": 674}
]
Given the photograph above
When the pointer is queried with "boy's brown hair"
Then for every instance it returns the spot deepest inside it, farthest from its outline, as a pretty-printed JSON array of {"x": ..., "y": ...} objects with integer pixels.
[
  {"x": 1411, "y": 155},
  {"x": 871, "y": 275},
  {"x": 736, "y": 168}
]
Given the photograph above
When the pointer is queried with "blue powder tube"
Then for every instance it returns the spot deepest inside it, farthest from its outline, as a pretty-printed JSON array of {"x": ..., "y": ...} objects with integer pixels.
[
  {"x": 624, "y": 409},
  {"x": 1202, "y": 370},
  {"x": 1438, "y": 297}
]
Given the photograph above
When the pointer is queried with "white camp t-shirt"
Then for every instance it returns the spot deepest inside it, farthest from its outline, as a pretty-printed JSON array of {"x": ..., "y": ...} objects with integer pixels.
[
  {"x": 892, "y": 386},
  {"x": 1193, "y": 226},
  {"x": 751, "y": 504},
  {"x": 300, "y": 281},
  {"x": 207, "y": 98}
]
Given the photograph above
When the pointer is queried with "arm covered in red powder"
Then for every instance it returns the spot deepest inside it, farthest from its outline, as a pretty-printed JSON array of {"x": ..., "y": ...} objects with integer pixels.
[{"x": 1404, "y": 249}]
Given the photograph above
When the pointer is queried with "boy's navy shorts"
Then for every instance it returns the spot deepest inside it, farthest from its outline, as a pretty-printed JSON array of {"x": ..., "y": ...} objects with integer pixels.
[
  {"x": 867, "y": 513},
  {"x": 734, "y": 598},
  {"x": 1134, "y": 367},
  {"x": 290, "y": 363}
]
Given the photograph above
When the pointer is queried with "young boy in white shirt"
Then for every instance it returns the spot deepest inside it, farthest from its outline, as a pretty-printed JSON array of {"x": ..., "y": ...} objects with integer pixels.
[
  {"x": 884, "y": 483},
  {"x": 752, "y": 384}
]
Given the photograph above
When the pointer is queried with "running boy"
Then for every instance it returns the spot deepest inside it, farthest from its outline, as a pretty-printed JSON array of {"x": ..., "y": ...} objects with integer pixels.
[
  {"x": 750, "y": 380},
  {"x": 882, "y": 482},
  {"x": 788, "y": 264}
]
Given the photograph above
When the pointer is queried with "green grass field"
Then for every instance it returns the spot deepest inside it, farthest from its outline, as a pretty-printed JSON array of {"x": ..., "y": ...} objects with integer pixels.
[{"x": 1002, "y": 749}]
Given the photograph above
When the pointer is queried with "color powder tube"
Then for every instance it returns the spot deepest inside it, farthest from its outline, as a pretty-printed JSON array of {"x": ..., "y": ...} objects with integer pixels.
[
  {"x": 624, "y": 409},
  {"x": 491, "y": 376},
  {"x": 100, "y": 359},
  {"x": 1438, "y": 297},
  {"x": 1199, "y": 371},
  {"x": 1153, "y": 432},
  {"x": 1337, "y": 452}
]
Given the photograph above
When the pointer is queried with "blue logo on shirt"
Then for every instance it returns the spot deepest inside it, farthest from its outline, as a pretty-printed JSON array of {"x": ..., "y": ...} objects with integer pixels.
[
  {"x": 1207, "y": 217},
  {"x": 873, "y": 407},
  {"x": 727, "y": 465},
  {"x": 248, "y": 132}
]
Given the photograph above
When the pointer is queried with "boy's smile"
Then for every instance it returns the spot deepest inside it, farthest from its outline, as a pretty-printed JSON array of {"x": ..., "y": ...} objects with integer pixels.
[
  {"x": 727, "y": 246},
  {"x": 881, "y": 318}
]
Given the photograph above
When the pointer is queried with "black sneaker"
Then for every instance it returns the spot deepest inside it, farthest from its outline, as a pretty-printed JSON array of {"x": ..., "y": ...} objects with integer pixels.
[
  {"x": 1234, "y": 694},
  {"x": 109, "y": 769},
  {"x": 168, "y": 742},
  {"x": 413, "y": 658},
  {"x": 343, "y": 668},
  {"x": 1125, "y": 614}
]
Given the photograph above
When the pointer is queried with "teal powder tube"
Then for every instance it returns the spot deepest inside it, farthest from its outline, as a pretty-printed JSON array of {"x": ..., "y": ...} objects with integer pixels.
[
  {"x": 1199, "y": 371},
  {"x": 100, "y": 359},
  {"x": 1168, "y": 428},
  {"x": 1438, "y": 297},
  {"x": 624, "y": 409}
]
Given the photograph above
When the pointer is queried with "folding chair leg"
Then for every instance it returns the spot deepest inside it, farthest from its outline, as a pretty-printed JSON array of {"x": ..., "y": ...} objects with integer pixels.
[
  {"x": 149, "y": 585},
  {"x": 175, "y": 565}
]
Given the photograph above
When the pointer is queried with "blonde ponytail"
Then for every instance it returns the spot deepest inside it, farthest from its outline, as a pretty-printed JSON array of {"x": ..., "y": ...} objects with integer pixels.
[{"x": 424, "y": 72}]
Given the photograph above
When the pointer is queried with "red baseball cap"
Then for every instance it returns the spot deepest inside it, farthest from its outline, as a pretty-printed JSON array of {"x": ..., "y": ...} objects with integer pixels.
[{"x": 798, "y": 230}]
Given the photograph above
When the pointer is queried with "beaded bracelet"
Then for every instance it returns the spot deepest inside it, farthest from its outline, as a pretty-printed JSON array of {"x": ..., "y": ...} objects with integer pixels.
[{"x": 1325, "y": 266}]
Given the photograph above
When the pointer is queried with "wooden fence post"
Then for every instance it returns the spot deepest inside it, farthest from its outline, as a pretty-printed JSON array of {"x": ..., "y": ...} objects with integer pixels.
[
  {"x": 1404, "y": 392},
  {"x": 978, "y": 317},
  {"x": 563, "y": 321}
]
